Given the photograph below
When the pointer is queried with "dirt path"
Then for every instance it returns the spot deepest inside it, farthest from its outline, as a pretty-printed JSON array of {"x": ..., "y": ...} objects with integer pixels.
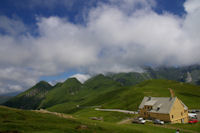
[
  {"x": 55, "y": 113},
  {"x": 125, "y": 121}
]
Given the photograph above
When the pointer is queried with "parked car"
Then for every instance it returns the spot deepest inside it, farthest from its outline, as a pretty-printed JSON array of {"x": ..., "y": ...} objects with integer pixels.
[
  {"x": 156, "y": 121},
  {"x": 139, "y": 121},
  {"x": 193, "y": 121},
  {"x": 197, "y": 111},
  {"x": 192, "y": 115}
]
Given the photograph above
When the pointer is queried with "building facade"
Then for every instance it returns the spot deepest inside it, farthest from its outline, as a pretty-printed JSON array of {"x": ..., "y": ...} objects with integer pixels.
[{"x": 168, "y": 109}]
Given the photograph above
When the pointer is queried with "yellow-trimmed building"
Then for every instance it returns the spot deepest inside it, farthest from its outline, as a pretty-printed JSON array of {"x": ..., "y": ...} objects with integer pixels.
[{"x": 168, "y": 109}]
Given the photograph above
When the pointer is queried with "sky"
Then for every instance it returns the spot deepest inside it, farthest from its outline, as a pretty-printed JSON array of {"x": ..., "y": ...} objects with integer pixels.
[{"x": 53, "y": 40}]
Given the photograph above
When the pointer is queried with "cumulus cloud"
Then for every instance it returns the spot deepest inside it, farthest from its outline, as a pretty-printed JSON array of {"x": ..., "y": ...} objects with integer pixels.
[
  {"x": 81, "y": 77},
  {"x": 113, "y": 39},
  {"x": 16, "y": 79},
  {"x": 12, "y": 26}
]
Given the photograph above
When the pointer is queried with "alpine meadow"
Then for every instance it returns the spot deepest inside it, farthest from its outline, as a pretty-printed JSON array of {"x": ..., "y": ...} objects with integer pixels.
[{"x": 99, "y": 66}]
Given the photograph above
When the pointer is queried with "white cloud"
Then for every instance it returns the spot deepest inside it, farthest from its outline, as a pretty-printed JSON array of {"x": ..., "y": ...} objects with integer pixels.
[
  {"x": 81, "y": 77},
  {"x": 192, "y": 6},
  {"x": 16, "y": 79},
  {"x": 12, "y": 26},
  {"x": 112, "y": 40}
]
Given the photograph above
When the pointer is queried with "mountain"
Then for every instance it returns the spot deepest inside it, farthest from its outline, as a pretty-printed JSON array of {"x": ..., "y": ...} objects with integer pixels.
[
  {"x": 31, "y": 98},
  {"x": 100, "y": 91},
  {"x": 119, "y": 97},
  {"x": 121, "y": 90},
  {"x": 92, "y": 89},
  {"x": 6, "y": 96},
  {"x": 188, "y": 74},
  {"x": 129, "y": 98},
  {"x": 61, "y": 93},
  {"x": 3, "y": 99},
  {"x": 131, "y": 78}
]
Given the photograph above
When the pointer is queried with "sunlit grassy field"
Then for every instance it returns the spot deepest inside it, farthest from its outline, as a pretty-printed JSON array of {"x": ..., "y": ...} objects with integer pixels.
[{"x": 21, "y": 121}]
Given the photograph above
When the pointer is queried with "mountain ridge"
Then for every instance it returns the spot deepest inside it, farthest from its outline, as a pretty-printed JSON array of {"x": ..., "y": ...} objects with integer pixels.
[{"x": 106, "y": 90}]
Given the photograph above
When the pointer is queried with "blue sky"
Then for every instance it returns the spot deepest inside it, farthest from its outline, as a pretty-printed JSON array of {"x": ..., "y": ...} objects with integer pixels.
[
  {"x": 53, "y": 40},
  {"x": 27, "y": 9}
]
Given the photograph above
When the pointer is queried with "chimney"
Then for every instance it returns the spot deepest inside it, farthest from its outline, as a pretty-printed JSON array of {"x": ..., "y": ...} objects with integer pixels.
[
  {"x": 171, "y": 92},
  {"x": 149, "y": 98}
]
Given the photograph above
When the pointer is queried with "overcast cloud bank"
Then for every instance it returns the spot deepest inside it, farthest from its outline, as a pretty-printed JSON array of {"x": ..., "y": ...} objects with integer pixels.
[{"x": 115, "y": 38}]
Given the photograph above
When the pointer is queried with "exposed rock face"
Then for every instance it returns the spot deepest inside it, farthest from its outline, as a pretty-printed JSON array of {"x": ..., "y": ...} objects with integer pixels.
[
  {"x": 189, "y": 77},
  {"x": 31, "y": 98}
]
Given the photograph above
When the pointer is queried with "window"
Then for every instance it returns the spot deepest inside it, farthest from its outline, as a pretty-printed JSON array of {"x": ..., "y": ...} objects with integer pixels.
[
  {"x": 172, "y": 116},
  {"x": 181, "y": 113}
]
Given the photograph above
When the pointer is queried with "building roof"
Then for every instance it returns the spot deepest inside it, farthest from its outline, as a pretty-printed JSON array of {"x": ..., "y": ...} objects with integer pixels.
[{"x": 159, "y": 104}]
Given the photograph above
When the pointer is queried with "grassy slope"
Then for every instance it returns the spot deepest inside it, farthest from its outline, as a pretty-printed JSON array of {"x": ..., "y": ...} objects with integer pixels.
[
  {"x": 129, "y": 98},
  {"x": 131, "y": 78},
  {"x": 32, "y": 122},
  {"x": 61, "y": 93},
  {"x": 102, "y": 90},
  {"x": 92, "y": 89},
  {"x": 3, "y": 99},
  {"x": 176, "y": 73},
  {"x": 31, "y": 98}
]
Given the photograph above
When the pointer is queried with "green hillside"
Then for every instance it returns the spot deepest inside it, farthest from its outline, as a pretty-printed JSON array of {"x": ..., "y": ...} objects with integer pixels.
[
  {"x": 61, "y": 93},
  {"x": 94, "y": 88},
  {"x": 132, "y": 78},
  {"x": 80, "y": 101},
  {"x": 106, "y": 90},
  {"x": 188, "y": 74},
  {"x": 31, "y": 98},
  {"x": 3, "y": 99},
  {"x": 21, "y": 121},
  {"x": 129, "y": 98}
]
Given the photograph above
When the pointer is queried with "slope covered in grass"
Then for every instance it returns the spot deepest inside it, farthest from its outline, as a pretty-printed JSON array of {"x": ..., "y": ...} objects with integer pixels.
[
  {"x": 61, "y": 93},
  {"x": 129, "y": 98},
  {"x": 92, "y": 89},
  {"x": 3, "y": 99},
  {"x": 131, "y": 78},
  {"x": 189, "y": 74},
  {"x": 31, "y": 98},
  {"x": 20, "y": 121}
]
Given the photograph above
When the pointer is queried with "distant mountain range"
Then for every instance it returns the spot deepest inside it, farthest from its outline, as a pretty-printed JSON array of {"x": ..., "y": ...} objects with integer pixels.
[
  {"x": 189, "y": 74},
  {"x": 121, "y": 90}
]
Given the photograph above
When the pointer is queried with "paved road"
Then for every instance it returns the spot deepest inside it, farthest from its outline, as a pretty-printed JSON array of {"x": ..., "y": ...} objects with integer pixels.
[{"x": 118, "y": 110}]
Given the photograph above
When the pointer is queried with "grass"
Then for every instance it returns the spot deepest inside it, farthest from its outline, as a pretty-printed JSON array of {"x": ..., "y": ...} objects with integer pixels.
[
  {"x": 61, "y": 93},
  {"x": 31, "y": 98},
  {"x": 102, "y": 91},
  {"x": 22, "y": 121},
  {"x": 129, "y": 98},
  {"x": 192, "y": 127},
  {"x": 113, "y": 117}
]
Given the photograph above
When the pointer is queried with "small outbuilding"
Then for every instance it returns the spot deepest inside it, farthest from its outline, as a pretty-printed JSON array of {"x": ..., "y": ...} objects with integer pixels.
[{"x": 168, "y": 109}]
